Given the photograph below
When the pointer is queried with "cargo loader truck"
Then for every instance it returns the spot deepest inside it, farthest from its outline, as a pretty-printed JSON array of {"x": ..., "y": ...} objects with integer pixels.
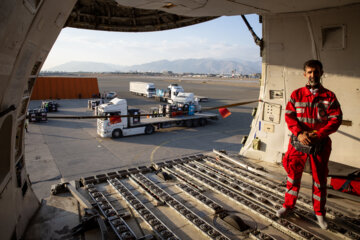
[
  {"x": 166, "y": 95},
  {"x": 121, "y": 121},
  {"x": 172, "y": 92}
]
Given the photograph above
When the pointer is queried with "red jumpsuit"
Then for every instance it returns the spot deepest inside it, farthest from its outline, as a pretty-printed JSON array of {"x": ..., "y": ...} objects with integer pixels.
[{"x": 308, "y": 112}]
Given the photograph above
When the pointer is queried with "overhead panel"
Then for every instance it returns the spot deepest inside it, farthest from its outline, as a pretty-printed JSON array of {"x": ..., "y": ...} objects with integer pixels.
[
  {"x": 157, "y": 15},
  {"x": 127, "y": 16},
  {"x": 200, "y": 8},
  {"x": 197, "y": 8}
]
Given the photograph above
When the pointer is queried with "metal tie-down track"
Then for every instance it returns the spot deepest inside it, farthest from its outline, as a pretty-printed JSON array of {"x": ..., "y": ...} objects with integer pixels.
[
  {"x": 162, "y": 231},
  {"x": 215, "y": 185},
  {"x": 340, "y": 221},
  {"x": 269, "y": 200}
]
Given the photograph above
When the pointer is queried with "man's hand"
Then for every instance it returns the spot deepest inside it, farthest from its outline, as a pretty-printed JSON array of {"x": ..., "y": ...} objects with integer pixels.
[
  {"x": 304, "y": 138},
  {"x": 314, "y": 137}
]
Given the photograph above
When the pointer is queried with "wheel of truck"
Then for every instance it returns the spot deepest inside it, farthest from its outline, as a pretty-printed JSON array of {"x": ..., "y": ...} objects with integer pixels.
[
  {"x": 195, "y": 122},
  {"x": 188, "y": 123},
  {"x": 202, "y": 121},
  {"x": 117, "y": 133},
  {"x": 149, "y": 129}
]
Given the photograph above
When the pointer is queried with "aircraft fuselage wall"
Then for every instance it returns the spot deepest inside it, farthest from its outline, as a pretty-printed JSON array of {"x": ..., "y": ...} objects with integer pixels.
[{"x": 331, "y": 36}]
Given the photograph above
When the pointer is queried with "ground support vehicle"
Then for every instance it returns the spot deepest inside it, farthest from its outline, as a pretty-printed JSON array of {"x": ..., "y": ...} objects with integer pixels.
[
  {"x": 142, "y": 88},
  {"x": 173, "y": 91},
  {"x": 50, "y": 106},
  {"x": 161, "y": 95},
  {"x": 116, "y": 126},
  {"x": 37, "y": 115},
  {"x": 93, "y": 103},
  {"x": 166, "y": 95},
  {"x": 183, "y": 98},
  {"x": 110, "y": 95}
]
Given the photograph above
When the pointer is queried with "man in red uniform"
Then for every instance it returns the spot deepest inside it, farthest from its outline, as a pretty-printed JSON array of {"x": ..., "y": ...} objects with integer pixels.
[{"x": 312, "y": 114}]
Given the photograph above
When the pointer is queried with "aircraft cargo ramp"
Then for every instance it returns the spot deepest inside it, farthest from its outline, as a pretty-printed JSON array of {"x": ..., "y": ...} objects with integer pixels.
[{"x": 193, "y": 197}]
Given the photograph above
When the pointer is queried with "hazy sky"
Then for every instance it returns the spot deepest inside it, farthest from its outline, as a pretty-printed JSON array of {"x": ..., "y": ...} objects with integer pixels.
[{"x": 224, "y": 37}]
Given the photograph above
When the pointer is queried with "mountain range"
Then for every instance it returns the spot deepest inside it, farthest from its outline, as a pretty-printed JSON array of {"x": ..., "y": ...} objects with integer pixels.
[{"x": 201, "y": 66}]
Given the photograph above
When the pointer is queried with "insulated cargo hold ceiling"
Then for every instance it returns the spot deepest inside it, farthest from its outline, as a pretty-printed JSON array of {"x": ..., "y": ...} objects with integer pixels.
[{"x": 64, "y": 88}]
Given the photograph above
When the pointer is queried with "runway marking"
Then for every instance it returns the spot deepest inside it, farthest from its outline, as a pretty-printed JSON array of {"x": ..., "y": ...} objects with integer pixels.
[{"x": 156, "y": 148}]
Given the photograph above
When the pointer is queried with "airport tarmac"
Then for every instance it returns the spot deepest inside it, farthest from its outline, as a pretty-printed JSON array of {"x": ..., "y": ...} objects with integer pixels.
[{"x": 70, "y": 149}]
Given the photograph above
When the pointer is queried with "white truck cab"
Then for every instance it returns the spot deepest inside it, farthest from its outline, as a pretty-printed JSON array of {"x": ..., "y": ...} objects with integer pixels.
[
  {"x": 174, "y": 90},
  {"x": 115, "y": 126}
]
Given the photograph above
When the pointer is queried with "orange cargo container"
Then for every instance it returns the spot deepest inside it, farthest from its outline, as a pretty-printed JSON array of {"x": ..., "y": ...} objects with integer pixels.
[{"x": 64, "y": 88}]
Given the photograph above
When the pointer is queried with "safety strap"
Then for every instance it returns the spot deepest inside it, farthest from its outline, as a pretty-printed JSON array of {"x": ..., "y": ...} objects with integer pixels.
[
  {"x": 345, "y": 185},
  {"x": 351, "y": 177}
]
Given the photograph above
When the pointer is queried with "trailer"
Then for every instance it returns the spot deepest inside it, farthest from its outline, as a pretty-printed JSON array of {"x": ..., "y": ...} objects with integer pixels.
[
  {"x": 142, "y": 88},
  {"x": 122, "y": 121},
  {"x": 201, "y": 98}
]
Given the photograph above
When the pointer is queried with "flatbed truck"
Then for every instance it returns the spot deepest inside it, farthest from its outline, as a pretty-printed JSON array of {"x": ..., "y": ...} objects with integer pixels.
[{"x": 122, "y": 121}]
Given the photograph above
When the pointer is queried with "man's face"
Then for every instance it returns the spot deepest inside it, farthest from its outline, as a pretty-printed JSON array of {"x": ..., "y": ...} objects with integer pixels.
[{"x": 313, "y": 75}]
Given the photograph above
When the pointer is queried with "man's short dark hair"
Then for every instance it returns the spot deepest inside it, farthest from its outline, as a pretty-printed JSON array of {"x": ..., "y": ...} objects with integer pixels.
[{"x": 314, "y": 64}]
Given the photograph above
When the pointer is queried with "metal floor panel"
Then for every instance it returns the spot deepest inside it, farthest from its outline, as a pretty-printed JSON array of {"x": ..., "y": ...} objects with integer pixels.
[{"x": 174, "y": 209}]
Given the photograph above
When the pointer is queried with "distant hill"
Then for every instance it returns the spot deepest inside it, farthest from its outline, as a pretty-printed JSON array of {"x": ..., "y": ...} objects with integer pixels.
[
  {"x": 212, "y": 66},
  {"x": 76, "y": 66}
]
